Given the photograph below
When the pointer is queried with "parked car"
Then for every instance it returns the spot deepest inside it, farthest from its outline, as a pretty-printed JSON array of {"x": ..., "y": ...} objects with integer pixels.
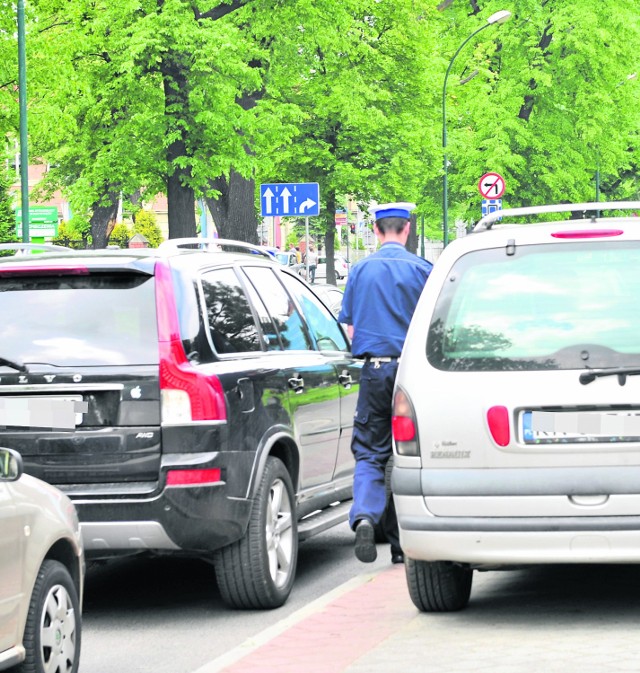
[
  {"x": 340, "y": 264},
  {"x": 516, "y": 415},
  {"x": 41, "y": 573},
  {"x": 330, "y": 295},
  {"x": 201, "y": 402},
  {"x": 289, "y": 259}
]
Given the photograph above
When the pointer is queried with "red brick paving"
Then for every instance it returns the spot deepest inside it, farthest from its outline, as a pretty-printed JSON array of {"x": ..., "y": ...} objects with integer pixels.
[{"x": 331, "y": 639}]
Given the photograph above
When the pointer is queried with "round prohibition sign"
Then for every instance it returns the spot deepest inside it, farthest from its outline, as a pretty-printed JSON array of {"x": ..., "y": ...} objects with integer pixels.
[{"x": 491, "y": 185}]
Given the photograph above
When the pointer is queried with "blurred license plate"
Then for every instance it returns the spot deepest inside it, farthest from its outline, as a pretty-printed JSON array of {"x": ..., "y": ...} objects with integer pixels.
[
  {"x": 555, "y": 427},
  {"x": 54, "y": 412}
]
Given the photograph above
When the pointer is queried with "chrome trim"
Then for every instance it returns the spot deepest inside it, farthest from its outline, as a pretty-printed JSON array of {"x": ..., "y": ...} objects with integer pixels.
[
  {"x": 58, "y": 387},
  {"x": 164, "y": 424}
]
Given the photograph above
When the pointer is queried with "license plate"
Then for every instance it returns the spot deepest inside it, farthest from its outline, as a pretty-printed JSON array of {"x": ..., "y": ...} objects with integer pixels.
[
  {"x": 43, "y": 411},
  {"x": 551, "y": 427}
]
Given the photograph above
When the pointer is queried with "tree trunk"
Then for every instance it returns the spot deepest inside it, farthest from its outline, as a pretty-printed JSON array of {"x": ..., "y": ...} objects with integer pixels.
[
  {"x": 181, "y": 207},
  {"x": 181, "y": 202},
  {"x": 412, "y": 241},
  {"x": 234, "y": 212},
  {"x": 103, "y": 220}
]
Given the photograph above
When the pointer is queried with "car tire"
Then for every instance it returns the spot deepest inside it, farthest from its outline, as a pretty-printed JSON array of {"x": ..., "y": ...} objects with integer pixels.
[
  {"x": 258, "y": 571},
  {"x": 438, "y": 586},
  {"x": 52, "y": 631}
]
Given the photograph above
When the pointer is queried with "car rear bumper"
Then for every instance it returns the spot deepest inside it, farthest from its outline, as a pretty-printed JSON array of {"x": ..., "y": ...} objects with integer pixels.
[
  {"x": 504, "y": 541},
  {"x": 196, "y": 519}
]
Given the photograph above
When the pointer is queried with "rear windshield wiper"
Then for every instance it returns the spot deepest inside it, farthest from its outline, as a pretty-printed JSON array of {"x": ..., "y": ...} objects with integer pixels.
[
  {"x": 14, "y": 365},
  {"x": 621, "y": 372}
]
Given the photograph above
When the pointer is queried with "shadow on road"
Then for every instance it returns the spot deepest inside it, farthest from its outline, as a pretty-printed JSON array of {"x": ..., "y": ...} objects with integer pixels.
[{"x": 565, "y": 590}]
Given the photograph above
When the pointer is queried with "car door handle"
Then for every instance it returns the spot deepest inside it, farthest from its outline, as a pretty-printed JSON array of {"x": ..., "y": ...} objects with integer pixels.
[
  {"x": 345, "y": 379},
  {"x": 296, "y": 384}
]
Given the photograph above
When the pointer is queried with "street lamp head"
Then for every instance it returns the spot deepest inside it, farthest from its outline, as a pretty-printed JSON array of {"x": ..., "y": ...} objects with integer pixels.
[{"x": 499, "y": 17}]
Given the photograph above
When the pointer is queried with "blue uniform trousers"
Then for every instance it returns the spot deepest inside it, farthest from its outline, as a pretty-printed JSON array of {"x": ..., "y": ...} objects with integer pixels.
[{"x": 371, "y": 447}]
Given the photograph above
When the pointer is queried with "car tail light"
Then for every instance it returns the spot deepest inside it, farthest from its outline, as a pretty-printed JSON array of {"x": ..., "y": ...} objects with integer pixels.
[
  {"x": 498, "y": 421},
  {"x": 186, "y": 394},
  {"x": 588, "y": 233},
  {"x": 403, "y": 425},
  {"x": 194, "y": 477}
]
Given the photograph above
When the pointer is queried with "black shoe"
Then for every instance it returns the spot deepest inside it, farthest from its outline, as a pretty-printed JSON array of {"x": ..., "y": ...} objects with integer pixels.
[
  {"x": 365, "y": 542},
  {"x": 397, "y": 558}
]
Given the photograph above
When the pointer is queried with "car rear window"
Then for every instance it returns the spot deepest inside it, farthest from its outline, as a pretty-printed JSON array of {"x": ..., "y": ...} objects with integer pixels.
[
  {"x": 558, "y": 306},
  {"x": 79, "y": 320}
]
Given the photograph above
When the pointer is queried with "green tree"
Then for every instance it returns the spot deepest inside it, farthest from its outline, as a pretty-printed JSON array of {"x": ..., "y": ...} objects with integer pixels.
[
  {"x": 147, "y": 225},
  {"x": 551, "y": 104},
  {"x": 7, "y": 212}
]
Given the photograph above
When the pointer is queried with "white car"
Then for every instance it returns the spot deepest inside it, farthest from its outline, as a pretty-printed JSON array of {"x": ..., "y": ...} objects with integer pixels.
[
  {"x": 516, "y": 417},
  {"x": 41, "y": 574},
  {"x": 340, "y": 264}
]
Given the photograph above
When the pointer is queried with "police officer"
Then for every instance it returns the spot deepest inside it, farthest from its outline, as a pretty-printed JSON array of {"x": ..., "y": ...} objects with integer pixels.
[{"x": 379, "y": 299}]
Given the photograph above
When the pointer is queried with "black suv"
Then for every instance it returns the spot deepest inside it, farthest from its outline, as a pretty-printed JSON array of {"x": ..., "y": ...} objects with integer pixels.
[{"x": 193, "y": 401}]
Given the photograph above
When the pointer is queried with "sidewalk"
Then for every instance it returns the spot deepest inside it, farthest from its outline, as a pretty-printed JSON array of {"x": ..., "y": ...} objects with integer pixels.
[
  {"x": 345, "y": 627},
  {"x": 551, "y": 620}
]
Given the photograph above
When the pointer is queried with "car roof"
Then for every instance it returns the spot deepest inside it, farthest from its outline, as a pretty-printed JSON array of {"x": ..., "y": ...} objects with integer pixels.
[{"x": 135, "y": 259}]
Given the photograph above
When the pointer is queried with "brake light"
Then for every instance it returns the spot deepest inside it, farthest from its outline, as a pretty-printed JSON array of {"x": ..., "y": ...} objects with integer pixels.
[
  {"x": 186, "y": 394},
  {"x": 193, "y": 477},
  {"x": 588, "y": 233},
  {"x": 498, "y": 421},
  {"x": 403, "y": 425}
]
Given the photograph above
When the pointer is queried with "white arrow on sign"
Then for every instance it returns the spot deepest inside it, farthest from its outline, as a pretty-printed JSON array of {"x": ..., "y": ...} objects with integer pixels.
[
  {"x": 308, "y": 203},
  {"x": 268, "y": 195},
  {"x": 285, "y": 199}
]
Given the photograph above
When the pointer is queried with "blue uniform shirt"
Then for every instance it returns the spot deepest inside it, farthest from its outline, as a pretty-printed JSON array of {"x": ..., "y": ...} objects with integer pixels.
[{"x": 380, "y": 297}]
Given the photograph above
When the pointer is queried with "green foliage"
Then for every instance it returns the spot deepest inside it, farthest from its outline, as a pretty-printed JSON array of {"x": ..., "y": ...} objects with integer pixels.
[
  {"x": 120, "y": 235},
  {"x": 74, "y": 234},
  {"x": 7, "y": 212},
  {"x": 146, "y": 224},
  {"x": 346, "y": 93}
]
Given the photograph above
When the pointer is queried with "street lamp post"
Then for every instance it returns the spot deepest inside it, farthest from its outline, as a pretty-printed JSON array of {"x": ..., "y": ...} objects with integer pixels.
[
  {"x": 497, "y": 18},
  {"x": 22, "y": 97}
]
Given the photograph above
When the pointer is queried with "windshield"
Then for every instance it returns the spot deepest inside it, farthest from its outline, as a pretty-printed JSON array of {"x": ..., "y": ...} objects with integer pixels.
[
  {"x": 558, "y": 306},
  {"x": 92, "y": 320}
]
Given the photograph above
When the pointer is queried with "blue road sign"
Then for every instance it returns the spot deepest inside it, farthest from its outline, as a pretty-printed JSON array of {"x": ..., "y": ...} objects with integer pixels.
[
  {"x": 490, "y": 206},
  {"x": 300, "y": 199}
]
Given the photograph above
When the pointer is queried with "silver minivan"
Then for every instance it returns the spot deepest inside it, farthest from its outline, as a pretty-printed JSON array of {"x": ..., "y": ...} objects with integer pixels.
[
  {"x": 41, "y": 573},
  {"x": 517, "y": 405}
]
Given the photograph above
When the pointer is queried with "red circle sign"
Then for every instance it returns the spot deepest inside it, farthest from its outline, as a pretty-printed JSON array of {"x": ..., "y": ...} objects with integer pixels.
[{"x": 491, "y": 185}]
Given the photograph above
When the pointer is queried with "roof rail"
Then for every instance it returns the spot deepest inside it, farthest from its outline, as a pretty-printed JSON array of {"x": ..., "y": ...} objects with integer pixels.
[
  {"x": 33, "y": 247},
  {"x": 213, "y": 245},
  {"x": 488, "y": 220}
]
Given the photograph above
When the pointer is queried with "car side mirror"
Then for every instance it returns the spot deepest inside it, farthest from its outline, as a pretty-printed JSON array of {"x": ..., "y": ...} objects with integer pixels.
[{"x": 11, "y": 467}]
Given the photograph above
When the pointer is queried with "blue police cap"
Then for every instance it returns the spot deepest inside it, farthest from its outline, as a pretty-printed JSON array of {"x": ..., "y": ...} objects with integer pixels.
[{"x": 392, "y": 210}]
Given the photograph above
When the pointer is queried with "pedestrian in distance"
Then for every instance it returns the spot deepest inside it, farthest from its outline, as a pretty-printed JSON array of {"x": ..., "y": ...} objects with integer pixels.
[
  {"x": 312, "y": 262},
  {"x": 379, "y": 300}
]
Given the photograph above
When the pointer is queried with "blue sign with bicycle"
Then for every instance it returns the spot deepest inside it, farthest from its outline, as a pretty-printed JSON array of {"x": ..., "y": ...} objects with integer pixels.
[{"x": 301, "y": 199}]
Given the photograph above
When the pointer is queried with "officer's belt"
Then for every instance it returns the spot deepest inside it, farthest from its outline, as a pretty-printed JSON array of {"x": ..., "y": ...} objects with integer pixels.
[{"x": 379, "y": 359}]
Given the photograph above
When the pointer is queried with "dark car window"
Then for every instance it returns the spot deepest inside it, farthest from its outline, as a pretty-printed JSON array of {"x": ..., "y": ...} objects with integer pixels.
[
  {"x": 282, "y": 308},
  {"x": 547, "y": 306},
  {"x": 231, "y": 323},
  {"x": 324, "y": 328},
  {"x": 271, "y": 338},
  {"x": 79, "y": 320}
]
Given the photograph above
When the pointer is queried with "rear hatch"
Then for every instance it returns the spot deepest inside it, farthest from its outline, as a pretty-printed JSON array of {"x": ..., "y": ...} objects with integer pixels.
[
  {"x": 527, "y": 397},
  {"x": 79, "y": 395}
]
